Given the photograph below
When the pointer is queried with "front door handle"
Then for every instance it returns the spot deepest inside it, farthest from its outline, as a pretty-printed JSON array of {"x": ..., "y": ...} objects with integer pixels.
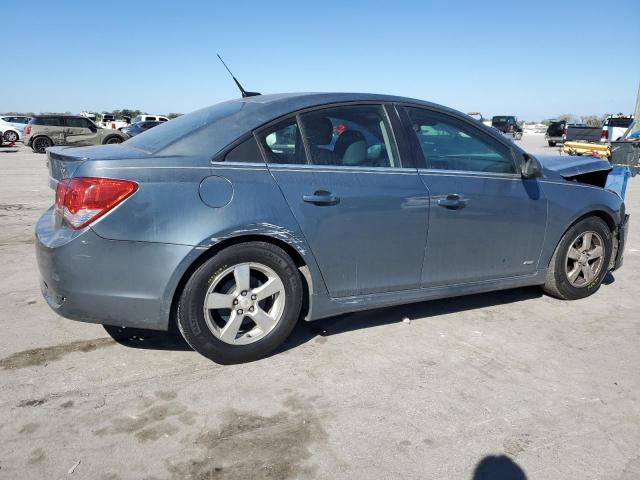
[
  {"x": 321, "y": 197},
  {"x": 453, "y": 202}
]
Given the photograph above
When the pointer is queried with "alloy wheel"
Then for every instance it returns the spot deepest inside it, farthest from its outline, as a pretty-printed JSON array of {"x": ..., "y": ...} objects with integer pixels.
[
  {"x": 41, "y": 144},
  {"x": 244, "y": 303},
  {"x": 11, "y": 136},
  {"x": 584, "y": 259}
]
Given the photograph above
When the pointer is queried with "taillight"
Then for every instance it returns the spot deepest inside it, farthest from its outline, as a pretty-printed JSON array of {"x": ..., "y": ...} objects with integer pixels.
[
  {"x": 27, "y": 130},
  {"x": 603, "y": 134},
  {"x": 82, "y": 200}
]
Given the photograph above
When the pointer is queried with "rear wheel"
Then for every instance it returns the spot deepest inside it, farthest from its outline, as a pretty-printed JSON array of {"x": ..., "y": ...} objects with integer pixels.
[
  {"x": 552, "y": 144},
  {"x": 113, "y": 140},
  {"x": 581, "y": 260},
  {"x": 40, "y": 144},
  {"x": 241, "y": 304},
  {"x": 11, "y": 136}
]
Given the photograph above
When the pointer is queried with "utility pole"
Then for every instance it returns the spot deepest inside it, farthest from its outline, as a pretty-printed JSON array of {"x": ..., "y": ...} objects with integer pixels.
[{"x": 637, "y": 113}]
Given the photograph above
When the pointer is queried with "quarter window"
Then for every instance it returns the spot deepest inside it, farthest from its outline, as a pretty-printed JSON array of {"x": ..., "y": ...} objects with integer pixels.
[
  {"x": 450, "y": 144},
  {"x": 247, "y": 151},
  {"x": 354, "y": 136}
]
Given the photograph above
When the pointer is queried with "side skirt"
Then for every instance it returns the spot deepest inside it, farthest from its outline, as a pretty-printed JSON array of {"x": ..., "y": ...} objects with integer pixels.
[{"x": 324, "y": 306}]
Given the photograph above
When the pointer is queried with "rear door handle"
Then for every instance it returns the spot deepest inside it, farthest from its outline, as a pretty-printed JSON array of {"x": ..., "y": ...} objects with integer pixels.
[
  {"x": 453, "y": 202},
  {"x": 321, "y": 197}
]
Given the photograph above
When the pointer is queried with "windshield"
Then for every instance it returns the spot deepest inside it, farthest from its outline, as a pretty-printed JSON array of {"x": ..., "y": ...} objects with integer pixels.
[{"x": 162, "y": 136}]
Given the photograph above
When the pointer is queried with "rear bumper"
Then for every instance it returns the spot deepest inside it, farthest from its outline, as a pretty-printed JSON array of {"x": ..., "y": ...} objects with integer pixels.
[
  {"x": 623, "y": 231},
  {"x": 88, "y": 278}
]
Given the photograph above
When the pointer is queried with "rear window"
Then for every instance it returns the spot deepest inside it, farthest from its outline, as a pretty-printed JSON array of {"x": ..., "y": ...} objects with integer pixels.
[
  {"x": 504, "y": 119},
  {"x": 189, "y": 134},
  {"x": 150, "y": 119},
  {"x": 618, "y": 122},
  {"x": 47, "y": 121}
]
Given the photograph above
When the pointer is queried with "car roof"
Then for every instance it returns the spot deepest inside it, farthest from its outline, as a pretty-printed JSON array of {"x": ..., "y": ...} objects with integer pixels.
[
  {"x": 51, "y": 115},
  {"x": 261, "y": 109},
  {"x": 297, "y": 101}
]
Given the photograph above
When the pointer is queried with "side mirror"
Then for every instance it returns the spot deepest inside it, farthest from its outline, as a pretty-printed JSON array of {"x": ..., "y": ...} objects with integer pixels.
[{"x": 531, "y": 168}]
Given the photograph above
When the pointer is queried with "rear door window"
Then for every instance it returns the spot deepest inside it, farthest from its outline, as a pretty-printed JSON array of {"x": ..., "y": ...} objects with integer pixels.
[{"x": 350, "y": 135}]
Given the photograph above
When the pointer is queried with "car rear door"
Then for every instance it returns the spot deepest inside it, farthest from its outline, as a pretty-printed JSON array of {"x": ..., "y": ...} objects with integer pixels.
[
  {"x": 486, "y": 222},
  {"x": 363, "y": 212}
]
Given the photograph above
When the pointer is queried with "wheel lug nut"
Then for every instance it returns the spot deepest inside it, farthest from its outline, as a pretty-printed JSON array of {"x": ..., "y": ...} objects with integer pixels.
[
  {"x": 251, "y": 309},
  {"x": 244, "y": 293},
  {"x": 235, "y": 302},
  {"x": 254, "y": 297},
  {"x": 240, "y": 311}
]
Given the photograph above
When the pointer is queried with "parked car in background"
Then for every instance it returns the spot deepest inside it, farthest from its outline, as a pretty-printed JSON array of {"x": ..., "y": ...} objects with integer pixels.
[
  {"x": 109, "y": 121},
  {"x": 149, "y": 118},
  {"x": 614, "y": 127},
  {"x": 508, "y": 125},
  {"x": 555, "y": 133},
  {"x": 9, "y": 132},
  {"x": 136, "y": 128},
  {"x": 18, "y": 121},
  {"x": 258, "y": 216},
  {"x": 44, "y": 131}
]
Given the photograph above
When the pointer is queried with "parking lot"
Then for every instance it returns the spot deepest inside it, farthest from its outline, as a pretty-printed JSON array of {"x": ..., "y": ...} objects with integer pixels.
[{"x": 424, "y": 391}]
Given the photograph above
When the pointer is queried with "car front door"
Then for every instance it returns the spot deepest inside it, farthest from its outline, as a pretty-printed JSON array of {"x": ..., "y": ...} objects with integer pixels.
[
  {"x": 363, "y": 213},
  {"x": 80, "y": 131},
  {"x": 486, "y": 222}
]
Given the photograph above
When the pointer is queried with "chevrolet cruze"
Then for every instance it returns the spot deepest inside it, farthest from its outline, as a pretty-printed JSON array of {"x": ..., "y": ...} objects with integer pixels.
[{"x": 235, "y": 221}]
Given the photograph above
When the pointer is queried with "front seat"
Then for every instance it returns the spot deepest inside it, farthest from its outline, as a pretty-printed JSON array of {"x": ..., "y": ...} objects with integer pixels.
[
  {"x": 351, "y": 146},
  {"x": 319, "y": 131}
]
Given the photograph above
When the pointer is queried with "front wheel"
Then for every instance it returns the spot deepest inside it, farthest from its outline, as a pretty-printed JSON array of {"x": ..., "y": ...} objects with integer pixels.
[
  {"x": 552, "y": 144},
  {"x": 581, "y": 260},
  {"x": 241, "y": 304}
]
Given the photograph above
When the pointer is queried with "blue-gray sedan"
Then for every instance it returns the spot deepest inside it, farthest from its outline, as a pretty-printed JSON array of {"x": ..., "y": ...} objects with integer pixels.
[{"x": 236, "y": 220}]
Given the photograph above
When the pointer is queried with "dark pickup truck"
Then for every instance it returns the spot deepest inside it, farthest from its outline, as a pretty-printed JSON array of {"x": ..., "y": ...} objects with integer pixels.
[
  {"x": 555, "y": 133},
  {"x": 507, "y": 124}
]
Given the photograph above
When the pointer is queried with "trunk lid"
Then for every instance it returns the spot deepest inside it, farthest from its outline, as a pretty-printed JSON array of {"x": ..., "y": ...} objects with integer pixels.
[{"x": 64, "y": 161}]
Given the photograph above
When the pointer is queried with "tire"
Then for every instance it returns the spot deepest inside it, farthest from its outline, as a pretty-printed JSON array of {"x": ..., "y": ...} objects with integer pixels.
[
  {"x": 11, "y": 136},
  {"x": 552, "y": 144},
  {"x": 40, "y": 144},
  {"x": 112, "y": 140},
  {"x": 564, "y": 264},
  {"x": 216, "y": 281}
]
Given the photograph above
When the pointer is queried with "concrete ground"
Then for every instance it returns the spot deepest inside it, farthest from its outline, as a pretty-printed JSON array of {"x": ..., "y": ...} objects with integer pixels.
[{"x": 552, "y": 386}]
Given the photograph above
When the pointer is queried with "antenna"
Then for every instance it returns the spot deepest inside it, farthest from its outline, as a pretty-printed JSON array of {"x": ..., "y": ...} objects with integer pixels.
[{"x": 242, "y": 90}]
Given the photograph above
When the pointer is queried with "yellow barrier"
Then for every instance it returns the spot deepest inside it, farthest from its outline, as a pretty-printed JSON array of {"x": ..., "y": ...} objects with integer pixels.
[{"x": 584, "y": 148}]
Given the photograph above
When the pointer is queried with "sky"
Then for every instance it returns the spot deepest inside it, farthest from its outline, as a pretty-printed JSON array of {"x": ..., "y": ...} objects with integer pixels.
[{"x": 534, "y": 59}]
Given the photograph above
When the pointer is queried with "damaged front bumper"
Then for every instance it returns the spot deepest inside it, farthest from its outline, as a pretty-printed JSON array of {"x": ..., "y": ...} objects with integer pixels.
[{"x": 621, "y": 237}]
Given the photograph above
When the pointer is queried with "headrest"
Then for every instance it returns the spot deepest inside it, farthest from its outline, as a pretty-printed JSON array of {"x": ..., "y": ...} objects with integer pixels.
[{"x": 318, "y": 130}]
